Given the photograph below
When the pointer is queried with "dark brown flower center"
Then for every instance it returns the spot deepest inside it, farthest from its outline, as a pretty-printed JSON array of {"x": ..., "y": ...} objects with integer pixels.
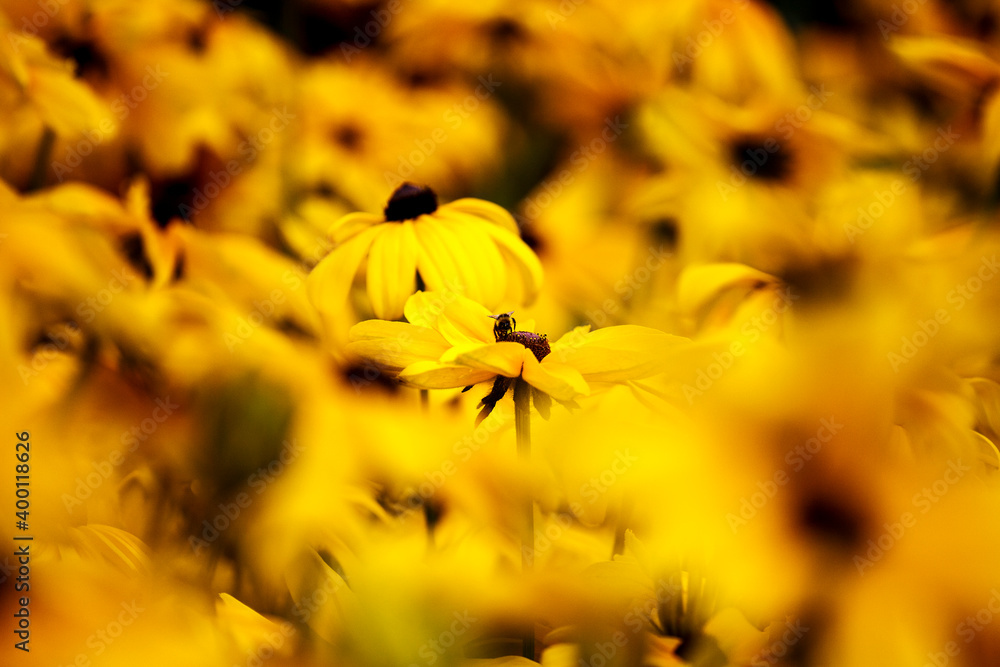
[
  {"x": 537, "y": 343},
  {"x": 762, "y": 158},
  {"x": 410, "y": 201}
]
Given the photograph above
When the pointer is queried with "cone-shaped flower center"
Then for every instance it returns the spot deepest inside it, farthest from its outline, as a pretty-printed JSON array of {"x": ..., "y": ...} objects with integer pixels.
[
  {"x": 537, "y": 343},
  {"x": 410, "y": 201},
  {"x": 504, "y": 331}
]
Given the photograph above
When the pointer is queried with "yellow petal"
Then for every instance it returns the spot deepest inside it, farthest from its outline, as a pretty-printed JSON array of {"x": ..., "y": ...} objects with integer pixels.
[
  {"x": 618, "y": 354},
  {"x": 520, "y": 256},
  {"x": 434, "y": 375},
  {"x": 499, "y": 358},
  {"x": 955, "y": 64},
  {"x": 487, "y": 261},
  {"x": 249, "y": 629},
  {"x": 438, "y": 267},
  {"x": 119, "y": 548},
  {"x": 351, "y": 225},
  {"x": 454, "y": 262},
  {"x": 329, "y": 284},
  {"x": 559, "y": 381},
  {"x": 698, "y": 286},
  {"x": 392, "y": 270},
  {"x": 571, "y": 338},
  {"x": 485, "y": 210},
  {"x": 395, "y": 345},
  {"x": 458, "y": 319},
  {"x": 67, "y": 105}
]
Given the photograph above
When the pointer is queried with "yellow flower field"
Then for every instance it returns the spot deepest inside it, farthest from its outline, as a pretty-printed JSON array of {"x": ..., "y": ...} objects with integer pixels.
[{"x": 412, "y": 333}]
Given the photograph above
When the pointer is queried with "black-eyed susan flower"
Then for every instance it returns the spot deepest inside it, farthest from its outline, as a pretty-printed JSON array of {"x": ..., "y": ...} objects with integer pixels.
[
  {"x": 468, "y": 246},
  {"x": 451, "y": 341}
]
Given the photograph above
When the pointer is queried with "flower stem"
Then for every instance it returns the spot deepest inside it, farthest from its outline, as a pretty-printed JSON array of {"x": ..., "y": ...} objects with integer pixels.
[{"x": 522, "y": 426}]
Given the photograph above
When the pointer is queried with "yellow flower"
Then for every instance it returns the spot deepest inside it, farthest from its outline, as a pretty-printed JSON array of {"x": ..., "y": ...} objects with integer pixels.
[
  {"x": 407, "y": 128},
  {"x": 467, "y": 246},
  {"x": 451, "y": 341},
  {"x": 32, "y": 76}
]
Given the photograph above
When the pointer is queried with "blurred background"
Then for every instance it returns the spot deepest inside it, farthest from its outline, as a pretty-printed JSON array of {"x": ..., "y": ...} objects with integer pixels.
[{"x": 803, "y": 195}]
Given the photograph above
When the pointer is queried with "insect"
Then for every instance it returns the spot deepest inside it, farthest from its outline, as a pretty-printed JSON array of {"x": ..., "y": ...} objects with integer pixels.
[
  {"x": 505, "y": 331},
  {"x": 504, "y": 326}
]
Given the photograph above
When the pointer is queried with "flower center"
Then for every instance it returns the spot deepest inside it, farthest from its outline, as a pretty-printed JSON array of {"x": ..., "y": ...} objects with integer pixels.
[
  {"x": 410, "y": 201},
  {"x": 537, "y": 343},
  {"x": 765, "y": 160}
]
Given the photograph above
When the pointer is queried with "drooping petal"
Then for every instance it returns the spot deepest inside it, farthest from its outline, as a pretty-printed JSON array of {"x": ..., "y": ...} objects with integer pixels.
[
  {"x": 618, "y": 354},
  {"x": 561, "y": 382},
  {"x": 487, "y": 261},
  {"x": 698, "y": 286},
  {"x": 542, "y": 403},
  {"x": 330, "y": 281},
  {"x": 458, "y": 319},
  {"x": 351, "y": 225},
  {"x": 392, "y": 270},
  {"x": 395, "y": 345},
  {"x": 521, "y": 256},
  {"x": 501, "y": 358},
  {"x": 437, "y": 263},
  {"x": 486, "y": 210},
  {"x": 434, "y": 375},
  {"x": 457, "y": 261}
]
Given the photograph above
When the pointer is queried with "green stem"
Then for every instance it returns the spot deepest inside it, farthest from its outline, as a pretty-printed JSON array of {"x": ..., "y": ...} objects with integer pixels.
[
  {"x": 522, "y": 426},
  {"x": 42, "y": 156}
]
